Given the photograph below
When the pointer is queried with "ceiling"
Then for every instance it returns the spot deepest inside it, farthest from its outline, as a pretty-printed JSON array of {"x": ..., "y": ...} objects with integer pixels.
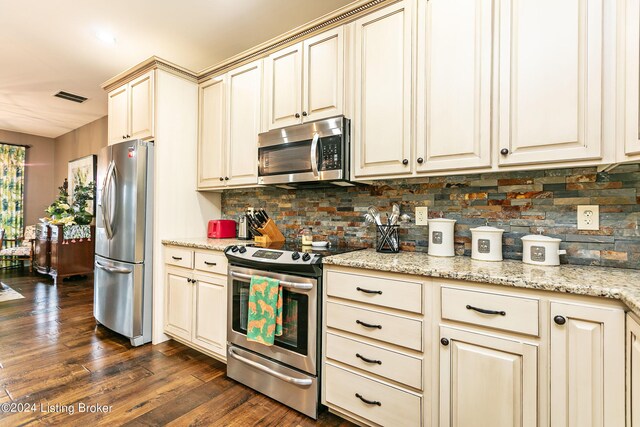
[{"x": 48, "y": 46}]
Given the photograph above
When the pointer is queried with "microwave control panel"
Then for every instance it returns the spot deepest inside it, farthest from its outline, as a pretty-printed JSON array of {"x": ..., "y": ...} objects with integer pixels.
[{"x": 331, "y": 154}]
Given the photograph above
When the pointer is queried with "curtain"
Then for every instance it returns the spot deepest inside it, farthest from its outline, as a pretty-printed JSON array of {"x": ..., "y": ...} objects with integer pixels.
[{"x": 12, "y": 189}]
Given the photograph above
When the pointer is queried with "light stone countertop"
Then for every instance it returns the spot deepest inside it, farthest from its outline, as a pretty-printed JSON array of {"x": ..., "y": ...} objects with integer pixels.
[
  {"x": 204, "y": 243},
  {"x": 616, "y": 283}
]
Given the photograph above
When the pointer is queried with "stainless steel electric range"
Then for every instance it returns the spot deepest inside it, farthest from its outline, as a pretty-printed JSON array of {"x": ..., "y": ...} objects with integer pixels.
[{"x": 287, "y": 371}]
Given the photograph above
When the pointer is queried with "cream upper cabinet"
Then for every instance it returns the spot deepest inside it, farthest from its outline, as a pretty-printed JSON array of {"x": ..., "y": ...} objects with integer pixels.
[
  {"x": 629, "y": 93},
  {"x": 381, "y": 127},
  {"x": 587, "y": 366},
  {"x": 486, "y": 380},
  {"x": 131, "y": 110},
  {"x": 304, "y": 82},
  {"x": 210, "y": 314},
  {"x": 453, "y": 84},
  {"x": 550, "y": 86},
  {"x": 230, "y": 118},
  {"x": 211, "y": 155},
  {"x": 284, "y": 86},
  {"x": 633, "y": 372},
  {"x": 244, "y": 88},
  {"x": 178, "y": 304}
]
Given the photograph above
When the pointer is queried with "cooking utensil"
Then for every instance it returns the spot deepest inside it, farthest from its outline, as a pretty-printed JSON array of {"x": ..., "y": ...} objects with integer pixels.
[
  {"x": 373, "y": 211},
  {"x": 369, "y": 219},
  {"x": 395, "y": 214},
  {"x": 405, "y": 218}
]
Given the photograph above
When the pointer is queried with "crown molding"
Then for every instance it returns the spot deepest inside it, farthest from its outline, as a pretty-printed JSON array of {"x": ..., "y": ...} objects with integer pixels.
[
  {"x": 333, "y": 19},
  {"x": 150, "y": 64}
]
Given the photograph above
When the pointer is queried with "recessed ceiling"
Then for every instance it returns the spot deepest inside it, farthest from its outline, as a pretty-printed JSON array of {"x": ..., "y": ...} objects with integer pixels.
[{"x": 49, "y": 46}]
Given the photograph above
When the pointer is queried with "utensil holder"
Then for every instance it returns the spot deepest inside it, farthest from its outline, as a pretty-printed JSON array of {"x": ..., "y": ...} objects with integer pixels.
[
  {"x": 387, "y": 240},
  {"x": 270, "y": 233}
]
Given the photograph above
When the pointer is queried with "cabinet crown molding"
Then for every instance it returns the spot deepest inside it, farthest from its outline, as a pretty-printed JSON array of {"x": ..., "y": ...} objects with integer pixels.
[{"x": 152, "y": 63}]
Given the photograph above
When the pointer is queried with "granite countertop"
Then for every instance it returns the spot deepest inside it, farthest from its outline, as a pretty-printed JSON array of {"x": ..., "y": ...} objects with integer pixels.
[
  {"x": 204, "y": 243},
  {"x": 617, "y": 283}
]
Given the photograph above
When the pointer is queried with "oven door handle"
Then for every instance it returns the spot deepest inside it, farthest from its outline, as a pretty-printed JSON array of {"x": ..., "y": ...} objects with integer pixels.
[
  {"x": 258, "y": 366},
  {"x": 284, "y": 283},
  {"x": 314, "y": 155}
]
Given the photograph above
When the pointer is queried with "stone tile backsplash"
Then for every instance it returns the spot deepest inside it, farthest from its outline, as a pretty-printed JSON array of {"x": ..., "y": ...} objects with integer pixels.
[{"x": 521, "y": 203}]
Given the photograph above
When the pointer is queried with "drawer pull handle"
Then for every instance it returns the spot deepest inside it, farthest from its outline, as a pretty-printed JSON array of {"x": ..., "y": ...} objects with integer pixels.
[
  {"x": 177, "y": 258},
  {"x": 210, "y": 263},
  {"x": 379, "y": 362},
  {"x": 367, "y": 401},
  {"x": 368, "y": 291},
  {"x": 368, "y": 325},
  {"x": 483, "y": 311}
]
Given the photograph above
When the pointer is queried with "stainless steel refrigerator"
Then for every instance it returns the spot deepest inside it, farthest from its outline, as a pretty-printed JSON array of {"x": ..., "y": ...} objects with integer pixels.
[{"x": 124, "y": 229}]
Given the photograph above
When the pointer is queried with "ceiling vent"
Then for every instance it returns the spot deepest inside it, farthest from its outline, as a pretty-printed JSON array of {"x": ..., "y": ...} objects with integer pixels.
[{"x": 71, "y": 97}]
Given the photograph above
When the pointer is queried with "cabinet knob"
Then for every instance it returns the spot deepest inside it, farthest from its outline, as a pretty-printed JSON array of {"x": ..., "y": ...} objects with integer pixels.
[
  {"x": 504, "y": 151},
  {"x": 420, "y": 160},
  {"x": 405, "y": 162},
  {"x": 304, "y": 113},
  {"x": 226, "y": 178},
  {"x": 221, "y": 179},
  {"x": 444, "y": 341},
  {"x": 128, "y": 136},
  {"x": 560, "y": 320},
  {"x": 297, "y": 115},
  {"x": 124, "y": 137}
]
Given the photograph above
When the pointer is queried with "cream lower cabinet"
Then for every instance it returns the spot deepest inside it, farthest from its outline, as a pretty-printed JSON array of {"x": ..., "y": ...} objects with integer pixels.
[
  {"x": 633, "y": 371},
  {"x": 587, "y": 365},
  {"x": 196, "y": 299},
  {"x": 373, "y": 347},
  {"x": 230, "y": 120},
  {"x": 487, "y": 380},
  {"x": 131, "y": 110}
]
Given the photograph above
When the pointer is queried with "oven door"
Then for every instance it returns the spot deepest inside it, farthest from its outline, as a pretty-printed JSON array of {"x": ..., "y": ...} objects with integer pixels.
[{"x": 296, "y": 346}]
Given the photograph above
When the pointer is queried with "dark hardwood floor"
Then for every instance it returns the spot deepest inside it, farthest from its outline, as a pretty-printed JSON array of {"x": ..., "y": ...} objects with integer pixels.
[{"x": 54, "y": 359}]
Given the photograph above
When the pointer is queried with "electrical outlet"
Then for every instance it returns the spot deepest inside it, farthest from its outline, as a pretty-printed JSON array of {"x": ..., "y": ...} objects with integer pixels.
[
  {"x": 422, "y": 215},
  {"x": 589, "y": 217}
]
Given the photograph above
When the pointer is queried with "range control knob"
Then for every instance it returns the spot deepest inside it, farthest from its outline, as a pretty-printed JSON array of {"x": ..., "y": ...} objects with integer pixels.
[
  {"x": 306, "y": 257},
  {"x": 234, "y": 248},
  {"x": 242, "y": 249},
  {"x": 295, "y": 256}
]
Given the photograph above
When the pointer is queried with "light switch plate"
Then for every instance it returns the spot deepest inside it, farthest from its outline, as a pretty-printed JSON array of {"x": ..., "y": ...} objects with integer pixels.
[
  {"x": 588, "y": 217},
  {"x": 422, "y": 215}
]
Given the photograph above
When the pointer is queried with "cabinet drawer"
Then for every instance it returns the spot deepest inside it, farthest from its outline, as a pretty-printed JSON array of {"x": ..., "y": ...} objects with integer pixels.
[
  {"x": 384, "y": 327},
  {"x": 516, "y": 314},
  {"x": 396, "y": 407},
  {"x": 178, "y": 257},
  {"x": 211, "y": 262},
  {"x": 386, "y": 363},
  {"x": 400, "y": 294}
]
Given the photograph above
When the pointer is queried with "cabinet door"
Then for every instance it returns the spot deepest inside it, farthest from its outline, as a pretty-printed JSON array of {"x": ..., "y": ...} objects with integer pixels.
[
  {"x": 210, "y": 314},
  {"x": 550, "y": 88},
  {"x": 323, "y": 76},
  {"x": 587, "y": 366},
  {"x": 142, "y": 105},
  {"x": 178, "y": 303},
  {"x": 633, "y": 372},
  {"x": 486, "y": 380},
  {"x": 244, "y": 91},
  {"x": 118, "y": 111},
  {"x": 630, "y": 92},
  {"x": 284, "y": 87},
  {"x": 382, "y": 123},
  {"x": 211, "y": 153},
  {"x": 454, "y": 84}
]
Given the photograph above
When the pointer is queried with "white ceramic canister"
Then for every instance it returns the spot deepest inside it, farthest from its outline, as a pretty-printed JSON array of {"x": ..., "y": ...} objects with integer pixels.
[
  {"x": 441, "y": 237},
  {"x": 541, "y": 250},
  {"x": 486, "y": 243}
]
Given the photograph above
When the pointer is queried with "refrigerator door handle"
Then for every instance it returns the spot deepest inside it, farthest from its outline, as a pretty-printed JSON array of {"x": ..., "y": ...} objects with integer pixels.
[
  {"x": 106, "y": 202},
  {"x": 113, "y": 269}
]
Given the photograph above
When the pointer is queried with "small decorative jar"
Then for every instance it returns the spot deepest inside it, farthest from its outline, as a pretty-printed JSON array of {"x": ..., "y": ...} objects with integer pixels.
[
  {"x": 441, "y": 232},
  {"x": 486, "y": 243}
]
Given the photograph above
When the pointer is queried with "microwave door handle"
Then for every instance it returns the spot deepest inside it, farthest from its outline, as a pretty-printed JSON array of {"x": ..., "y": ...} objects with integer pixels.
[{"x": 314, "y": 157}]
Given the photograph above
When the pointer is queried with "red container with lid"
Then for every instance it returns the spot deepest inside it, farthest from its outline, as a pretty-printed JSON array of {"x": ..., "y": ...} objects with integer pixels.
[{"x": 221, "y": 229}]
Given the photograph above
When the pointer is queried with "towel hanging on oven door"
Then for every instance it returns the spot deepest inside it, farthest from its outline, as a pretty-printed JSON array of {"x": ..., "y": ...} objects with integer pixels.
[{"x": 264, "y": 321}]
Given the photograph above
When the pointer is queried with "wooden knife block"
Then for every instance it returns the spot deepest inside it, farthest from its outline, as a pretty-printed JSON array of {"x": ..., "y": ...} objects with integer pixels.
[{"x": 270, "y": 234}]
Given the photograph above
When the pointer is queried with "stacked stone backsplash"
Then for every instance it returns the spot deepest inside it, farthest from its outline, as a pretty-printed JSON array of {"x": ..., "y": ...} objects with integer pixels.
[{"x": 521, "y": 203}]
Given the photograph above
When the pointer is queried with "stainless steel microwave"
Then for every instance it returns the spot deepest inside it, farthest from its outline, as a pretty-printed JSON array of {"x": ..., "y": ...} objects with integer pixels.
[{"x": 310, "y": 154}]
